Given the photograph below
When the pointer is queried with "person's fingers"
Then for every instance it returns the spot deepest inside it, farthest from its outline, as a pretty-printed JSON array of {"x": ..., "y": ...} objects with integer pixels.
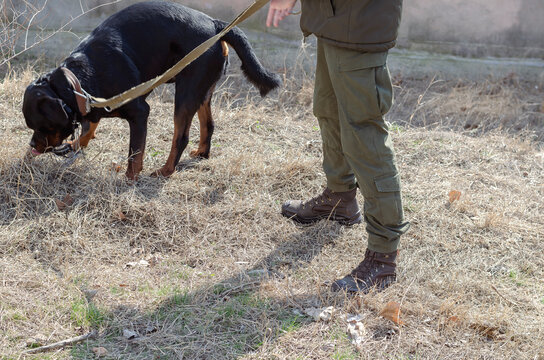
[
  {"x": 280, "y": 15},
  {"x": 283, "y": 14},
  {"x": 276, "y": 15},
  {"x": 277, "y": 18},
  {"x": 286, "y": 13},
  {"x": 270, "y": 17}
]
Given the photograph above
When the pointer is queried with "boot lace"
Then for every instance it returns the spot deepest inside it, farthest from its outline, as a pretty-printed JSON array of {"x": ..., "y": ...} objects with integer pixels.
[{"x": 319, "y": 199}]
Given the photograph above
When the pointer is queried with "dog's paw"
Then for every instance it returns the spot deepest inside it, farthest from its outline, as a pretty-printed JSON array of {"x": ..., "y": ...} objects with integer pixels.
[
  {"x": 199, "y": 154},
  {"x": 131, "y": 176},
  {"x": 162, "y": 172}
]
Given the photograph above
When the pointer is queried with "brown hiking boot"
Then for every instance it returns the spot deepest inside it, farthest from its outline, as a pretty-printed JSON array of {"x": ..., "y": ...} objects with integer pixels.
[
  {"x": 336, "y": 206},
  {"x": 377, "y": 270}
]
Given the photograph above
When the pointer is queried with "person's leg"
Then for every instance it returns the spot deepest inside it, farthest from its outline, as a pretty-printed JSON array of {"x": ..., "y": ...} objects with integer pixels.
[
  {"x": 339, "y": 175},
  {"x": 338, "y": 201},
  {"x": 363, "y": 90}
]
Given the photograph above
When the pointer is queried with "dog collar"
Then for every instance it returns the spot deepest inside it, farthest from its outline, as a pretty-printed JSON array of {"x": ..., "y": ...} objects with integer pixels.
[{"x": 83, "y": 98}]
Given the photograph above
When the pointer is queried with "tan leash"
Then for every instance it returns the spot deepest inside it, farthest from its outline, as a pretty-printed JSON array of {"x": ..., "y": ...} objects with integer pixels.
[{"x": 144, "y": 88}]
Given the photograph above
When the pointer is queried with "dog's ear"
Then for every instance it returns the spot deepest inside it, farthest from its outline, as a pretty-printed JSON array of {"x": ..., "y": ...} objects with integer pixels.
[
  {"x": 58, "y": 81},
  {"x": 52, "y": 109}
]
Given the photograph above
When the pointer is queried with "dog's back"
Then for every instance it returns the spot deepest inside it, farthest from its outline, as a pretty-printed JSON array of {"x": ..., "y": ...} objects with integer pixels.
[{"x": 151, "y": 37}]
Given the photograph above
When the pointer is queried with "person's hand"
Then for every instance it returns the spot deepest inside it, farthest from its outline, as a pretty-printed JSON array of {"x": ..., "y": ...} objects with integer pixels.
[{"x": 278, "y": 10}]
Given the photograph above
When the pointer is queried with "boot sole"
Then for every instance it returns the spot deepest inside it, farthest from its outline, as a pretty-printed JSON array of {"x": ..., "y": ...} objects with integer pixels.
[
  {"x": 354, "y": 287},
  {"x": 307, "y": 221}
]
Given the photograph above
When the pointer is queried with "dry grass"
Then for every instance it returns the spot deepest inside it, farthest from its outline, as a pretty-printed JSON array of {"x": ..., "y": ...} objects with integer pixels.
[{"x": 226, "y": 274}]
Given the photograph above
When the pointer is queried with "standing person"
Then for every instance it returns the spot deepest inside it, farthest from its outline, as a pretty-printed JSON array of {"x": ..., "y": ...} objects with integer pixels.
[{"x": 353, "y": 92}]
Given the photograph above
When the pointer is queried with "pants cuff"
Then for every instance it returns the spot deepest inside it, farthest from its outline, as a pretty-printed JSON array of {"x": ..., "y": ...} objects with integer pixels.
[
  {"x": 338, "y": 187},
  {"x": 383, "y": 246}
]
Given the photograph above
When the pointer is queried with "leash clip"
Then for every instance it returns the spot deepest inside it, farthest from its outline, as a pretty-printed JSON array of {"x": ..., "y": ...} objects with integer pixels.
[
  {"x": 87, "y": 101},
  {"x": 76, "y": 131},
  {"x": 87, "y": 97}
]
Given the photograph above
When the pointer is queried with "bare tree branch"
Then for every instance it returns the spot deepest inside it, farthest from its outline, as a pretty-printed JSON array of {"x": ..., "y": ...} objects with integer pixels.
[
  {"x": 18, "y": 18},
  {"x": 31, "y": 20}
]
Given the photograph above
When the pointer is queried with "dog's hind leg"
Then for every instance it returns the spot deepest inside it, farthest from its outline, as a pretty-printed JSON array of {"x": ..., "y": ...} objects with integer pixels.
[
  {"x": 182, "y": 125},
  {"x": 185, "y": 110},
  {"x": 206, "y": 129}
]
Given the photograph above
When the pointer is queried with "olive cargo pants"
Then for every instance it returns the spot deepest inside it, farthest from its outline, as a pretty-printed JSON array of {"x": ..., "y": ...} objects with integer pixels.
[{"x": 353, "y": 91}]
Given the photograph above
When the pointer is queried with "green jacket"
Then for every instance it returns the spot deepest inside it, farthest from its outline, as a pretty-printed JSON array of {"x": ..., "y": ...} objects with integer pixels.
[{"x": 365, "y": 25}]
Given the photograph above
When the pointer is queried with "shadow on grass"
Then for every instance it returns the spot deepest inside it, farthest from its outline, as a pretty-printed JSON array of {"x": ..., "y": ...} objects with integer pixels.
[{"x": 225, "y": 319}]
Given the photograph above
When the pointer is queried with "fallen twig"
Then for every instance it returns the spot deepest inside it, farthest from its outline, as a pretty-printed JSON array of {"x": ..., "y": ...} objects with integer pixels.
[
  {"x": 504, "y": 297},
  {"x": 61, "y": 344}
]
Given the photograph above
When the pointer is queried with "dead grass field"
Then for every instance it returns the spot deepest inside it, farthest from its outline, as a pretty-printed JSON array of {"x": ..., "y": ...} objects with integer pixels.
[{"x": 203, "y": 266}]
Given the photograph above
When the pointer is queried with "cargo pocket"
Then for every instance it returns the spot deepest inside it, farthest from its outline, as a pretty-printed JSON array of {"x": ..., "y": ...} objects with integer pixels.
[
  {"x": 384, "y": 89},
  {"x": 367, "y": 83},
  {"x": 390, "y": 202}
]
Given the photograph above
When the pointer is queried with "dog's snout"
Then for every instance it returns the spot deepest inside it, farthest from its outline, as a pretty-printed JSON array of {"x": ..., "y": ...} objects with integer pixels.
[{"x": 32, "y": 143}]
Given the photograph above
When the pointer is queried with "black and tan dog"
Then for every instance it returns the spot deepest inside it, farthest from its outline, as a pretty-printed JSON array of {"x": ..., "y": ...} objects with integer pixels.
[{"x": 133, "y": 46}]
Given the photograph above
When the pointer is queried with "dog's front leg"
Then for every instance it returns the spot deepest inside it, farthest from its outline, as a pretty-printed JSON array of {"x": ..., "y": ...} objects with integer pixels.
[
  {"x": 82, "y": 141},
  {"x": 138, "y": 134}
]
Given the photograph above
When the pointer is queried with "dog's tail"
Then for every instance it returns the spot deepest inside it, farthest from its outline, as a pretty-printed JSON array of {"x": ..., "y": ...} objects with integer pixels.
[{"x": 263, "y": 79}]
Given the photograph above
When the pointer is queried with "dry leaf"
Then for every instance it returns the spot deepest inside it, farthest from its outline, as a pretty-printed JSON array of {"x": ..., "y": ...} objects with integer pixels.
[
  {"x": 356, "y": 329},
  {"x": 490, "y": 332},
  {"x": 66, "y": 201},
  {"x": 60, "y": 205},
  {"x": 121, "y": 215},
  {"x": 129, "y": 334},
  {"x": 454, "y": 195},
  {"x": 453, "y": 320},
  {"x": 143, "y": 263},
  {"x": 323, "y": 314},
  {"x": 391, "y": 311},
  {"x": 100, "y": 351}
]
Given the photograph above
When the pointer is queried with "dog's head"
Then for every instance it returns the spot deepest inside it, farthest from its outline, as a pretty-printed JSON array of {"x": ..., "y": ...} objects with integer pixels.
[{"x": 46, "y": 113}]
